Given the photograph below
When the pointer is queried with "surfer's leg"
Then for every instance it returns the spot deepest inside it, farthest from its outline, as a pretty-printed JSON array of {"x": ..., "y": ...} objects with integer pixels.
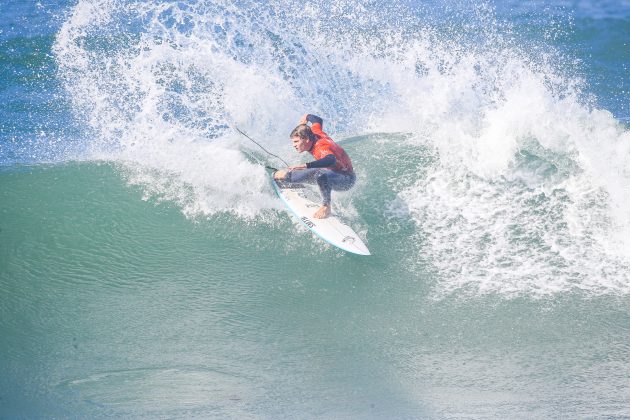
[
  {"x": 341, "y": 181},
  {"x": 302, "y": 175},
  {"x": 312, "y": 176},
  {"x": 325, "y": 185},
  {"x": 329, "y": 180}
]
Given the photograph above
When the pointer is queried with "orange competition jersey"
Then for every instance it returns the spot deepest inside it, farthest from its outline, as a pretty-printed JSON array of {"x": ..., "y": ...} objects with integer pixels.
[{"x": 325, "y": 146}]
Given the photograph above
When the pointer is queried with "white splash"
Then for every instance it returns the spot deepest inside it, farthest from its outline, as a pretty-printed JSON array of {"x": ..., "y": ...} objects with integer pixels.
[{"x": 530, "y": 193}]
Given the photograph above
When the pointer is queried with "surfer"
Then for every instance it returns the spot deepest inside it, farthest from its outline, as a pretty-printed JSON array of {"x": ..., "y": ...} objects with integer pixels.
[{"x": 331, "y": 169}]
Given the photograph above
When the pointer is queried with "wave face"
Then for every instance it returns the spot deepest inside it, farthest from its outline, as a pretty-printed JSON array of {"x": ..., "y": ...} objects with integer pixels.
[
  {"x": 148, "y": 270},
  {"x": 527, "y": 190},
  {"x": 116, "y": 307}
]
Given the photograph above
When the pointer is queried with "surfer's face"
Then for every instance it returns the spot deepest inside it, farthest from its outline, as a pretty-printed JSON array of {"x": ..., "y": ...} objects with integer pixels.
[{"x": 300, "y": 144}]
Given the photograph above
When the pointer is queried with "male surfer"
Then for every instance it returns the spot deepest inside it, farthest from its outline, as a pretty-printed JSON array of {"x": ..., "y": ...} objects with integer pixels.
[{"x": 331, "y": 169}]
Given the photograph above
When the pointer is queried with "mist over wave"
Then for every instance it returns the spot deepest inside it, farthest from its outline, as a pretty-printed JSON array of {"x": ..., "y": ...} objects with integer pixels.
[{"x": 528, "y": 189}]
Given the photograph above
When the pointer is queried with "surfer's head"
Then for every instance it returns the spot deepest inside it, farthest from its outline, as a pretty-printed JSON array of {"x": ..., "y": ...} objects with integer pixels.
[{"x": 302, "y": 138}]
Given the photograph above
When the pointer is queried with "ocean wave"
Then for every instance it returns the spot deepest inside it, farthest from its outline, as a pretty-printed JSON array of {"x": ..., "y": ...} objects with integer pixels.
[{"x": 527, "y": 188}]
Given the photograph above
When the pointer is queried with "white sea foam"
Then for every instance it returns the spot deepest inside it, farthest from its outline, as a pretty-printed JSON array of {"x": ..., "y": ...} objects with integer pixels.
[{"x": 529, "y": 192}]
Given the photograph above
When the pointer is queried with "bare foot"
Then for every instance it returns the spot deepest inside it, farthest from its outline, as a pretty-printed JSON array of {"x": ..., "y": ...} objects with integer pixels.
[{"x": 323, "y": 212}]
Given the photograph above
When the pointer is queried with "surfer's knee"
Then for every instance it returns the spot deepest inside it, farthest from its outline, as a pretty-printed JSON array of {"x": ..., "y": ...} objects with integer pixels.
[
  {"x": 322, "y": 178},
  {"x": 347, "y": 183}
]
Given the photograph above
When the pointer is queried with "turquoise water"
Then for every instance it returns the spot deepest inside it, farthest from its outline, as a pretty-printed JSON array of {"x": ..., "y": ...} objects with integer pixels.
[
  {"x": 113, "y": 306},
  {"x": 147, "y": 268}
]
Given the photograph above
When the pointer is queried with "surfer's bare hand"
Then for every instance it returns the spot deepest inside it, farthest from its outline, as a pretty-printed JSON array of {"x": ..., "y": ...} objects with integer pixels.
[
  {"x": 323, "y": 212},
  {"x": 280, "y": 174},
  {"x": 303, "y": 119}
]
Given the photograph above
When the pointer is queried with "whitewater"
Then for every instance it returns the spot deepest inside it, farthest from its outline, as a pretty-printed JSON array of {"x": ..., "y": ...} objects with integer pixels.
[
  {"x": 148, "y": 269},
  {"x": 521, "y": 194}
]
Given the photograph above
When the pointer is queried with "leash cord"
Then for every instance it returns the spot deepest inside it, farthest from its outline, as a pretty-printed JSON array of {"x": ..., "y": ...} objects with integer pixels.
[{"x": 258, "y": 144}]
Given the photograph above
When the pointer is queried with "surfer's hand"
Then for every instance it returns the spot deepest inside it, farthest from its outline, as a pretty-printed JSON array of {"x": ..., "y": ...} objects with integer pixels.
[
  {"x": 300, "y": 166},
  {"x": 303, "y": 119},
  {"x": 280, "y": 174}
]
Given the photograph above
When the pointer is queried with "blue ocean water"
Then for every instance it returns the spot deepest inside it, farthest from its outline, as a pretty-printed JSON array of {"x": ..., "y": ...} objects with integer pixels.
[
  {"x": 34, "y": 113},
  {"x": 148, "y": 270}
]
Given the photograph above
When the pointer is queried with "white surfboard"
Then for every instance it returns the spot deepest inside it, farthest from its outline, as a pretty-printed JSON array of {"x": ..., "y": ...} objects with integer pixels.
[{"x": 331, "y": 229}]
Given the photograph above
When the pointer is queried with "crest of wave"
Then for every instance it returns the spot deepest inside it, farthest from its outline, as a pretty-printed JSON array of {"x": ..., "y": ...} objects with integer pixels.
[
  {"x": 530, "y": 194},
  {"x": 159, "y": 86}
]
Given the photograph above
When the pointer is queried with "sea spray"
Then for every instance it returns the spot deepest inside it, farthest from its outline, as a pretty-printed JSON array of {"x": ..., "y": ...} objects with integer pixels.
[{"x": 527, "y": 192}]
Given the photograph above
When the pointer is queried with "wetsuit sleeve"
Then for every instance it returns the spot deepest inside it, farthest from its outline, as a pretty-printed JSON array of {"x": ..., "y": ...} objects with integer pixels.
[
  {"x": 314, "y": 119},
  {"x": 316, "y": 123},
  {"x": 325, "y": 162}
]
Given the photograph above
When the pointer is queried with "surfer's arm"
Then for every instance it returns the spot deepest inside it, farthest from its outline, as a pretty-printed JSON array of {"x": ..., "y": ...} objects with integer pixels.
[
  {"x": 314, "y": 119},
  {"x": 316, "y": 122},
  {"x": 325, "y": 162}
]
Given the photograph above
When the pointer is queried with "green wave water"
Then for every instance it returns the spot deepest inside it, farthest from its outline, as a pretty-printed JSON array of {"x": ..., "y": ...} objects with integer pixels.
[
  {"x": 147, "y": 269},
  {"x": 118, "y": 306}
]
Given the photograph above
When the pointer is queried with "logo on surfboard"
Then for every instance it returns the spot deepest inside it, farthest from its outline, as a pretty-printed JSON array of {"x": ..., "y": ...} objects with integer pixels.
[{"x": 307, "y": 222}]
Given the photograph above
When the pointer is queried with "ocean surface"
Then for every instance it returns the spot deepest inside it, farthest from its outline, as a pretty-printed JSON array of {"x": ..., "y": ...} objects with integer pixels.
[{"x": 147, "y": 269}]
